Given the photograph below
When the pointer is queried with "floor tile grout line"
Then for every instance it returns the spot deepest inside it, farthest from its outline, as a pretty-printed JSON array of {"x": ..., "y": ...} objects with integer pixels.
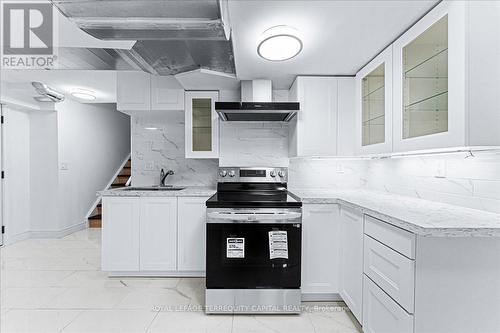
[
  {"x": 71, "y": 321},
  {"x": 152, "y": 321}
]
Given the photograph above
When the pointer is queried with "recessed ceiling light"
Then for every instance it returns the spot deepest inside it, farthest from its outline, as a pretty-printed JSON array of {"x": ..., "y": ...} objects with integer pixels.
[
  {"x": 279, "y": 43},
  {"x": 151, "y": 128},
  {"x": 83, "y": 94}
]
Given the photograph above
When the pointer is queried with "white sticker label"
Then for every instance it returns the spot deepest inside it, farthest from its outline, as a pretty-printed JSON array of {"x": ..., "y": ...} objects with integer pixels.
[
  {"x": 278, "y": 244},
  {"x": 235, "y": 247}
]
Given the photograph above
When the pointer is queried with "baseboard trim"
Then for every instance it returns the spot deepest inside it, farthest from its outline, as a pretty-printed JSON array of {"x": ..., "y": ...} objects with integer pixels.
[
  {"x": 11, "y": 239},
  {"x": 156, "y": 274},
  {"x": 58, "y": 233},
  {"x": 321, "y": 297}
]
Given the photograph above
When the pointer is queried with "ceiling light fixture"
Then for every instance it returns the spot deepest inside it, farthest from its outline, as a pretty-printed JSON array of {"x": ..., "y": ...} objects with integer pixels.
[
  {"x": 83, "y": 94},
  {"x": 279, "y": 43}
]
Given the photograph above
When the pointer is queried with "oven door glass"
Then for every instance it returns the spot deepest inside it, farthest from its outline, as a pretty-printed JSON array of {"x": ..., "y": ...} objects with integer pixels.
[{"x": 239, "y": 256}]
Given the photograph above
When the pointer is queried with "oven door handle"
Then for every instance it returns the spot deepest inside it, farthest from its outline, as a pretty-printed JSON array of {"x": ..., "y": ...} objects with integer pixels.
[{"x": 254, "y": 217}]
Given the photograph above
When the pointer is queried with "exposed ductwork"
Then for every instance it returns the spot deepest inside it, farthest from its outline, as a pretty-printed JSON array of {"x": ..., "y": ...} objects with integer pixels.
[{"x": 173, "y": 36}]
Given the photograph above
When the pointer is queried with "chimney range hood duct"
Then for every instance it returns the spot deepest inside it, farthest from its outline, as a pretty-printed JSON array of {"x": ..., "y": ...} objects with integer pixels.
[{"x": 257, "y": 105}]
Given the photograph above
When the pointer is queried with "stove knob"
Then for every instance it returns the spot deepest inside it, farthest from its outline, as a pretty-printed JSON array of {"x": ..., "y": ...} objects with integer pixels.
[
  {"x": 223, "y": 173},
  {"x": 273, "y": 173},
  {"x": 281, "y": 173},
  {"x": 231, "y": 173}
]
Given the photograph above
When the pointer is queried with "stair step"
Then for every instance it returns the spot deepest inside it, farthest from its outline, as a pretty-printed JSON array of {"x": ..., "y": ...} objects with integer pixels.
[
  {"x": 128, "y": 164},
  {"x": 95, "y": 224},
  {"x": 95, "y": 217},
  {"x": 121, "y": 179},
  {"x": 117, "y": 185},
  {"x": 126, "y": 172}
]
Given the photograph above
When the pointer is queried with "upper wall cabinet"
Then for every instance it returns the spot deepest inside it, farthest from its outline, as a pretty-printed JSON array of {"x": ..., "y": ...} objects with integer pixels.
[
  {"x": 133, "y": 91},
  {"x": 139, "y": 91},
  {"x": 166, "y": 93},
  {"x": 374, "y": 105},
  {"x": 315, "y": 129},
  {"x": 202, "y": 124},
  {"x": 446, "y": 79}
]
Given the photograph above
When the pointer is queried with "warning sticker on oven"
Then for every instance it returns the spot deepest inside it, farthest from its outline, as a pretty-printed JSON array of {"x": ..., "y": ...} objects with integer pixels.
[
  {"x": 235, "y": 248},
  {"x": 278, "y": 244}
]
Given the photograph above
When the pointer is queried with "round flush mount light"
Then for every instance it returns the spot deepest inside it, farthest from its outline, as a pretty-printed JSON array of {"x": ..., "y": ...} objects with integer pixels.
[
  {"x": 279, "y": 43},
  {"x": 83, "y": 94}
]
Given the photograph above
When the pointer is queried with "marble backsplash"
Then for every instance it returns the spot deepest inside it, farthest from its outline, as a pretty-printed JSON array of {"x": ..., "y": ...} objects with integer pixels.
[
  {"x": 253, "y": 144},
  {"x": 458, "y": 179},
  {"x": 158, "y": 142}
]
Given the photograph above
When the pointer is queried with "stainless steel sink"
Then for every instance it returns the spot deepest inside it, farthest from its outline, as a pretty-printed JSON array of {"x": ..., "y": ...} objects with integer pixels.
[{"x": 166, "y": 188}]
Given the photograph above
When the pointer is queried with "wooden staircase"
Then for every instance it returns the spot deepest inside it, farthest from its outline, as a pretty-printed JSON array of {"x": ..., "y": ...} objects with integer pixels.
[{"x": 122, "y": 180}]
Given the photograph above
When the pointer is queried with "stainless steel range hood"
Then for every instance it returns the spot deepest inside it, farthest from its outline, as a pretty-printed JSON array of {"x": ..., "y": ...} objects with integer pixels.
[{"x": 257, "y": 105}]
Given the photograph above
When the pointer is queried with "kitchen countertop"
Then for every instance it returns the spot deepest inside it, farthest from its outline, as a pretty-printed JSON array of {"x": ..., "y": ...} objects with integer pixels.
[
  {"x": 188, "y": 191},
  {"x": 422, "y": 217}
]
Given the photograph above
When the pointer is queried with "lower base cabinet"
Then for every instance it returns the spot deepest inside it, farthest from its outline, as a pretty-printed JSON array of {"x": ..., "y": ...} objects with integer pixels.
[
  {"x": 158, "y": 234},
  {"x": 320, "y": 253},
  {"x": 144, "y": 235},
  {"x": 120, "y": 234},
  {"x": 381, "y": 314},
  {"x": 351, "y": 260},
  {"x": 191, "y": 234}
]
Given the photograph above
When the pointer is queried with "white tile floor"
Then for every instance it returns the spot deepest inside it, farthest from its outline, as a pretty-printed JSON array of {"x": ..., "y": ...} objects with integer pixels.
[{"x": 56, "y": 285}]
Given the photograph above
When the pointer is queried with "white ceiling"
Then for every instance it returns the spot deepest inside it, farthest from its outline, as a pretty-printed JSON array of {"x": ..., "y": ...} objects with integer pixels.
[{"x": 339, "y": 37}]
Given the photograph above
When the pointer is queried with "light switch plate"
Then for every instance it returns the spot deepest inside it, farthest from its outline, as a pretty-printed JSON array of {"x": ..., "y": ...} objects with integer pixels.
[{"x": 64, "y": 166}]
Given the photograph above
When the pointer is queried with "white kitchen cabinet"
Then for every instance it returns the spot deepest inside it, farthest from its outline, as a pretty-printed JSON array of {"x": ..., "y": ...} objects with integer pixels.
[
  {"x": 202, "y": 124},
  {"x": 133, "y": 91},
  {"x": 120, "y": 234},
  {"x": 324, "y": 124},
  {"x": 166, "y": 93},
  {"x": 446, "y": 79},
  {"x": 320, "y": 252},
  {"x": 374, "y": 105},
  {"x": 158, "y": 234},
  {"x": 381, "y": 314},
  {"x": 313, "y": 132},
  {"x": 428, "y": 293},
  {"x": 351, "y": 260},
  {"x": 191, "y": 234}
]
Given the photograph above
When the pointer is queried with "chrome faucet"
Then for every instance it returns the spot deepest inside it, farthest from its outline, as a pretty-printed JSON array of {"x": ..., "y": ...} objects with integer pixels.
[{"x": 163, "y": 177}]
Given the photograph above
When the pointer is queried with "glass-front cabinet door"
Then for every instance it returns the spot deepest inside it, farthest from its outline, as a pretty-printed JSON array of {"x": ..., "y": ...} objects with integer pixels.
[
  {"x": 374, "y": 107},
  {"x": 429, "y": 81},
  {"x": 202, "y": 124},
  {"x": 425, "y": 82}
]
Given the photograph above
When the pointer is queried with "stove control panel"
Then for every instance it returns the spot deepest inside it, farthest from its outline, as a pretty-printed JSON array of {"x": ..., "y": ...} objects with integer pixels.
[{"x": 253, "y": 175}]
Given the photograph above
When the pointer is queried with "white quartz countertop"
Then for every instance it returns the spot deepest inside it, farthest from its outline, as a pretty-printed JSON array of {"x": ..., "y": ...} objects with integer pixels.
[
  {"x": 422, "y": 217},
  {"x": 188, "y": 191}
]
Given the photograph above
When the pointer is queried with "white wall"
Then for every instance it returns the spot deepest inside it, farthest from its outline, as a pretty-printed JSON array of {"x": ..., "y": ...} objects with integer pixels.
[
  {"x": 43, "y": 169},
  {"x": 93, "y": 141},
  {"x": 17, "y": 175}
]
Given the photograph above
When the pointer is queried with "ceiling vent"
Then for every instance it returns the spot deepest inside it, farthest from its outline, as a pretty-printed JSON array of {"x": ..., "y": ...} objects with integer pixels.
[{"x": 47, "y": 94}]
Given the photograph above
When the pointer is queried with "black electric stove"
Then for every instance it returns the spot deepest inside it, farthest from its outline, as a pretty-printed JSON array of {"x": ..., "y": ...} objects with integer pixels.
[
  {"x": 253, "y": 195},
  {"x": 253, "y": 247}
]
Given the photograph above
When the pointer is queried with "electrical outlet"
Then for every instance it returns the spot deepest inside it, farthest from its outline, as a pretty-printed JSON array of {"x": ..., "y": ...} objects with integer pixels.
[
  {"x": 441, "y": 169},
  {"x": 150, "y": 165},
  {"x": 340, "y": 168}
]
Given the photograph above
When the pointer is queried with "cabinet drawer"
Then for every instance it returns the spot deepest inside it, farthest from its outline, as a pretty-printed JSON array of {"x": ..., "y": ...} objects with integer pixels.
[
  {"x": 381, "y": 314},
  {"x": 393, "y": 272},
  {"x": 396, "y": 238}
]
